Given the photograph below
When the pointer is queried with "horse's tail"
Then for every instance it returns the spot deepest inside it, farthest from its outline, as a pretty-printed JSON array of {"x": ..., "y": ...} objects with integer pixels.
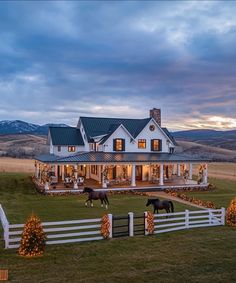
[
  {"x": 106, "y": 198},
  {"x": 172, "y": 206}
]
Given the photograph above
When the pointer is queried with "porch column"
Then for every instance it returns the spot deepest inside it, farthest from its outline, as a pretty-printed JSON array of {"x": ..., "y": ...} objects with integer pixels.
[
  {"x": 62, "y": 172},
  {"x": 150, "y": 173},
  {"x": 133, "y": 175},
  {"x": 161, "y": 175},
  {"x": 56, "y": 171},
  {"x": 178, "y": 170},
  {"x": 99, "y": 174},
  {"x": 87, "y": 171},
  {"x": 76, "y": 176},
  {"x": 205, "y": 173},
  {"x": 37, "y": 170},
  {"x": 104, "y": 185},
  {"x": 190, "y": 171}
]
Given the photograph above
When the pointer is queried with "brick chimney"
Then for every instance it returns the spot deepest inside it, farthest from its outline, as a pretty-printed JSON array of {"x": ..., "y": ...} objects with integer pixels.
[{"x": 156, "y": 115}]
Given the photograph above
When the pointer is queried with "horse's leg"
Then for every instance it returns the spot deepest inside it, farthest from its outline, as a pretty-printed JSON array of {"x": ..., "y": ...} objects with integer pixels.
[
  {"x": 91, "y": 203},
  {"x": 101, "y": 202},
  {"x": 86, "y": 203}
]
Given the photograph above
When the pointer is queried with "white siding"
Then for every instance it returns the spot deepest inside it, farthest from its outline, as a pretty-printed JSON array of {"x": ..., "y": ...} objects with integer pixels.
[
  {"x": 133, "y": 146},
  {"x": 64, "y": 150},
  {"x": 120, "y": 133}
]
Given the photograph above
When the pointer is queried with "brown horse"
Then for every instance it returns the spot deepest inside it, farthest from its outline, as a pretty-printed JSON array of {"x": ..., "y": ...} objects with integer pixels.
[
  {"x": 161, "y": 204},
  {"x": 95, "y": 196}
]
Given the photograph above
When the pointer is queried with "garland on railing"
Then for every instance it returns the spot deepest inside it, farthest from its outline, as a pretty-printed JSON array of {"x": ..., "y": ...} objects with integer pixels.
[
  {"x": 231, "y": 213},
  {"x": 105, "y": 227},
  {"x": 204, "y": 203},
  {"x": 150, "y": 222}
]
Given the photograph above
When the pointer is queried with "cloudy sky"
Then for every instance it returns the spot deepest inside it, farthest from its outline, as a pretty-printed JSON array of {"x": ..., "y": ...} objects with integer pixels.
[{"x": 61, "y": 60}]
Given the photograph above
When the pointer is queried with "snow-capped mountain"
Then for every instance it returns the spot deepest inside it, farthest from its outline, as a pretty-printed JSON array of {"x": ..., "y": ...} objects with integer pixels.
[{"x": 20, "y": 127}]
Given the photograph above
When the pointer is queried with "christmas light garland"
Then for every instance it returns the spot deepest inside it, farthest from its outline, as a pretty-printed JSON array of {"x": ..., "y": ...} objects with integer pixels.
[
  {"x": 208, "y": 204},
  {"x": 231, "y": 213},
  {"x": 150, "y": 222},
  {"x": 105, "y": 227}
]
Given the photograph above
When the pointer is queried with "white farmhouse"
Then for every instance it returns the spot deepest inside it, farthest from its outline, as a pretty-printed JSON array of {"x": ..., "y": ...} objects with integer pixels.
[{"x": 115, "y": 152}]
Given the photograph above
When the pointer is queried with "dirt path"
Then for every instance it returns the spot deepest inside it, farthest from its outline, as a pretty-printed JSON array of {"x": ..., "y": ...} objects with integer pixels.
[{"x": 167, "y": 196}]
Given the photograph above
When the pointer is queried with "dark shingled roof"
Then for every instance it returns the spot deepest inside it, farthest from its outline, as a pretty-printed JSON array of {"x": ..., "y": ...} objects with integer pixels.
[
  {"x": 95, "y": 126},
  {"x": 170, "y": 136},
  {"x": 108, "y": 157},
  {"x": 66, "y": 136}
]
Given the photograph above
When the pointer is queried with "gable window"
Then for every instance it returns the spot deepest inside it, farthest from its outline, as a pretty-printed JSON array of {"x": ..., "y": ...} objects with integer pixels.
[
  {"x": 156, "y": 145},
  {"x": 142, "y": 143},
  {"x": 119, "y": 144},
  {"x": 59, "y": 148},
  {"x": 71, "y": 148}
]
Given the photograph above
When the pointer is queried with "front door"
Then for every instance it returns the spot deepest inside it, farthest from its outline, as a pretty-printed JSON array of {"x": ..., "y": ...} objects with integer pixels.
[{"x": 139, "y": 170}]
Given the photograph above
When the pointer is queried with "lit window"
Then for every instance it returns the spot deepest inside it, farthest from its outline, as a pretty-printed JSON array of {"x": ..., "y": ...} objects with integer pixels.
[
  {"x": 142, "y": 143},
  {"x": 71, "y": 148},
  {"x": 59, "y": 148},
  {"x": 118, "y": 144},
  {"x": 156, "y": 145}
]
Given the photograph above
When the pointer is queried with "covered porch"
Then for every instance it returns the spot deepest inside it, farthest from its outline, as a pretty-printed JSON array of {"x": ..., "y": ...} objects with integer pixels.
[{"x": 117, "y": 170}]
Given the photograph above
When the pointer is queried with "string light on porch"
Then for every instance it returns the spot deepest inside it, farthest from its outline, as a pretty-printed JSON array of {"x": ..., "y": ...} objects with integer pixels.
[{"x": 231, "y": 213}]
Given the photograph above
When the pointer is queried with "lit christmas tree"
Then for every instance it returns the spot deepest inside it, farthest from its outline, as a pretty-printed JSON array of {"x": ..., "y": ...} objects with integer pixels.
[
  {"x": 231, "y": 213},
  {"x": 33, "y": 239}
]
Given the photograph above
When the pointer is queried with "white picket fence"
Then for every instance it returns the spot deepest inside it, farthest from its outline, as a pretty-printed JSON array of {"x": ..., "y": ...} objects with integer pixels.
[
  {"x": 187, "y": 219},
  {"x": 60, "y": 232},
  {"x": 73, "y": 231}
]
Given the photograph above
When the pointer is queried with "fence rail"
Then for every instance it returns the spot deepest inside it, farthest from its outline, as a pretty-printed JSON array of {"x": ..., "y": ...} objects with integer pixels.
[
  {"x": 73, "y": 231},
  {"x": 188, "y": 219}
]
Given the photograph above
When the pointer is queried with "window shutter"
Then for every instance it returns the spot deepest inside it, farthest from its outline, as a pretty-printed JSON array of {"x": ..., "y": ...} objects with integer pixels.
[
  {"x": 123, "y": 144},
  {"x": 160, "y": 145},
  {"x": 152, "y": 145},
  {"x": 114, "y": 145}
]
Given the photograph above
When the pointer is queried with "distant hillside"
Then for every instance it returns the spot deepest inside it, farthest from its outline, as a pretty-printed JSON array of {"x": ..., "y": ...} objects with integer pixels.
[
  {"x": 222, "y": 139},
  {"x": 23, "y": 145},
  {"x": 20, "y": 127},
  {"x": 193, "y": 149}
]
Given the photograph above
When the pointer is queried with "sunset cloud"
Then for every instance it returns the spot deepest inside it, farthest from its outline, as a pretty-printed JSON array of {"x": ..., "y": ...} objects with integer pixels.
[{"x": 61, "y": 59}]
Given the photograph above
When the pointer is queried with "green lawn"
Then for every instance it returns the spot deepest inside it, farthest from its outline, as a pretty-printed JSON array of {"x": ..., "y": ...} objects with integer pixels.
[
  {"x": 224, "y": 192},
  {"x": 19, "y": 199},
  {"x": 195, "y": 255}
]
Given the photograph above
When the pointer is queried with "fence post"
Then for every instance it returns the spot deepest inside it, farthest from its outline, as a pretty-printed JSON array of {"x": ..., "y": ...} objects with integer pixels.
[
  {"x": 6, "y": 235},
  {"x": 110, "y": 228},
  {"x": 187, "y": 218},
  {"x": 131, "y": 224},
  {"x": 222, "y": 216},
  {"x": 145, "y": 223},
  {"x": 210, "y": 216}
]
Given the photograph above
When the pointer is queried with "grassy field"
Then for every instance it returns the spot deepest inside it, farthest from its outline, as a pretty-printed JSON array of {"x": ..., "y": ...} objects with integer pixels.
[
  {"x": 224, "y": 192},
  {"x": 19, "y": 199},
  {"x": 197, "y": 255}
]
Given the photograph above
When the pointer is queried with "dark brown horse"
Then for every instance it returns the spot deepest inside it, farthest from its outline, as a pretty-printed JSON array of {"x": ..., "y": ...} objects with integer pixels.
[
  {"x": 93, "y": 195},
  {"x": 161, "y": 204}
]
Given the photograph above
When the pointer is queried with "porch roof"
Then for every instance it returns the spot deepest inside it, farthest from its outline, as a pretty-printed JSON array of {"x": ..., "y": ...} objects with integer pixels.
[{"x": 113, "y": 157}]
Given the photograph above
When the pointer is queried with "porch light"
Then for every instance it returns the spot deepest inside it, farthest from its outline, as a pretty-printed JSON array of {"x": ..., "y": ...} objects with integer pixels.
[{"x": 67, "y": 165}]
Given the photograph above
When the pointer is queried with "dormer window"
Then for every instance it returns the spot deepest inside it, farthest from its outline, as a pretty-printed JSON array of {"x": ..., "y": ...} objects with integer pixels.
[
  {"x": 119, "y": 144},
  {"x": 71, "y": 148},
  {"x": 156, "y": 145}
]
